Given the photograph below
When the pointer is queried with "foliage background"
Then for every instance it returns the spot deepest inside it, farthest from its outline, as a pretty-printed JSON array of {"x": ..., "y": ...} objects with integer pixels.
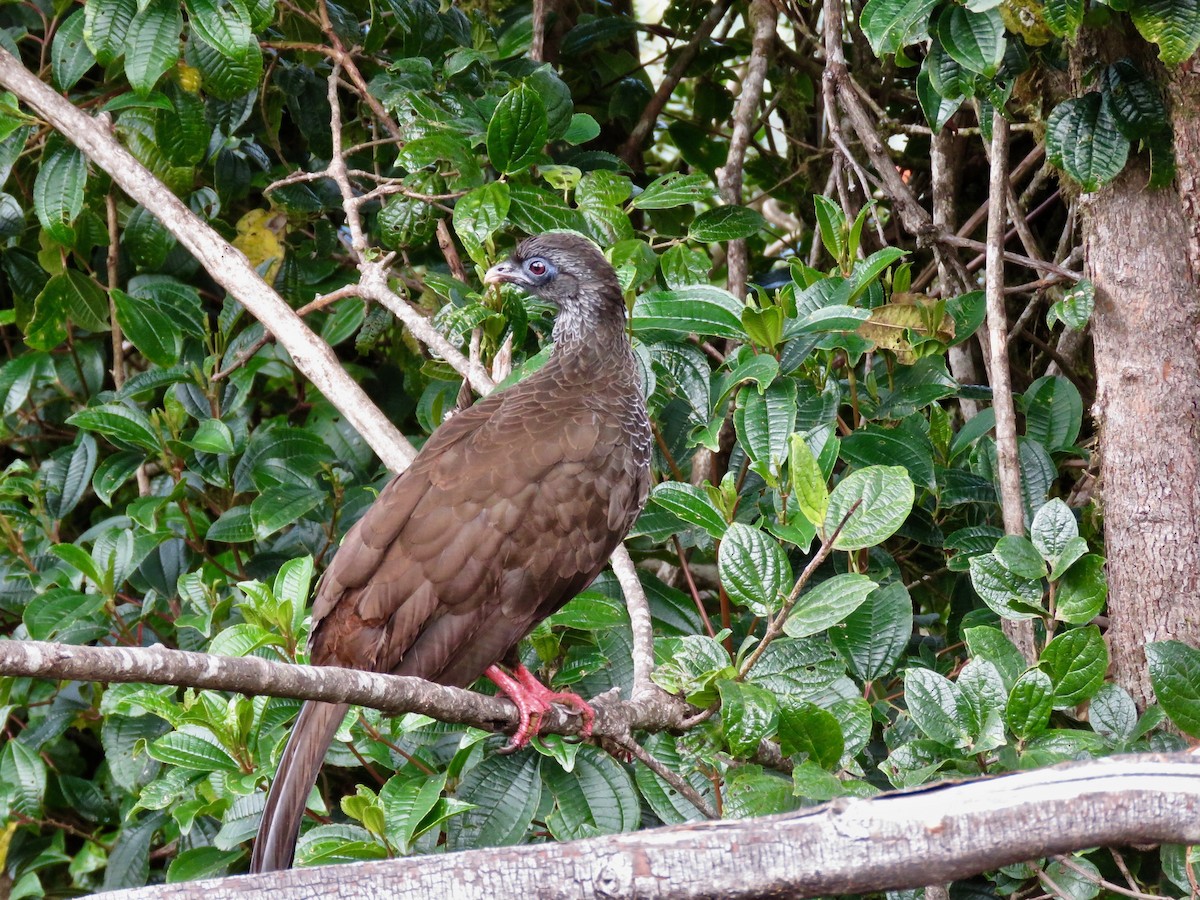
[{"x": 171, "y": 478}]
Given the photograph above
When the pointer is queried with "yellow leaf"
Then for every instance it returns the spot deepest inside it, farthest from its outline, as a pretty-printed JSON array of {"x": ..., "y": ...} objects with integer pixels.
[{"x": 906, "y": 324}]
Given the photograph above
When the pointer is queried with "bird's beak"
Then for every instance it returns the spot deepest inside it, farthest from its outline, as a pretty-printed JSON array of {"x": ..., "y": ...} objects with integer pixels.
[{"x": 502, "y": 273}]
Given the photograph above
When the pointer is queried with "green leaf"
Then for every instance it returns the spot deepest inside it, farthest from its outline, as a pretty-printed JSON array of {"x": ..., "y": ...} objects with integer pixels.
[
  {"x": 478, "y": 214},
  {"x": 1075, "y": 308},
  {"x": 106, "y": 26},
  {"x": 66, "y": 474},
  {"x": 1135, "y": 101},
  {"x": 234, "y": 526},
  {"x": 407, "y": 799},
  {"x": 505, "y": 792},
  {"x": 671, "y": 807},
  {"x": 691, "y": 504},
  {"x": 754, "y": 569},
  {"x": 886, "y": 494},
  {"x": 875, "y": 635},
  {"x": 119, "y": 423},
  {"x": 1076, "y": 661},
  {"x": 673, "y": 189},
  {"x": 1113, "y": 713},
  {"x": 764, "y": 421},
  {"x": 23, "y": 774},
  {"x": 938, "y": 110},
  {"x": 808, "y": 729},
  {"x": 1175, "y": 676},
  {"x": 827, "y": 604},
  {"x": 975, "y": 40},
  {"x": 1082, "y": 591},
  {"x": 114, "y": 472},
  {"x": 726, "y": 223},
  {"x": 225, "y": 77},
  {"x": 281, "y": 505},
  {"x": 70, "y": 56},
  {"x": 1053, "y": 412},
  {"x": 201, "y": 862},
  {"x": 832, "y": 223},
  {"x": 583, "y": 128},
  {"x": 700, "y": 309},
  {"x": 1172, "y": 24},
  {"x": 150, "y": 329},
  {"x": 532, "y": 210},
  {"x": 596, "y": 797},
  {"x": 991, "y": 644},
  {"x": 873, "y": 445},
  {"x": 807, "y": 480},
  {"x": 1030, "y": 703},
  {"x": 749, "y": 714},
  {"x": 1009, "y": 595},
  {"x": 58, "y": 192},
  {"x": 1063, "y": 17},
  {"x": 225, "y": 24},
  {"x": 517, "y": 130},
  {"x": 79, "y": 298},
  {"x": 891, "y": 25},
  {"x": 1018, "y": 555},
  {"x": 1082, "y": 139},
  {"x": 937, "y": 708},
  {"x": 1052, "y": 529},
  {"x": 153, "y": 44},
  {"x": 195, "y": 748}
]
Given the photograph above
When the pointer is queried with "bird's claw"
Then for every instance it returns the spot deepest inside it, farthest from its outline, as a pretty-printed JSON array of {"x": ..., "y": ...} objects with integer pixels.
[{"x": 533, "y": 700}]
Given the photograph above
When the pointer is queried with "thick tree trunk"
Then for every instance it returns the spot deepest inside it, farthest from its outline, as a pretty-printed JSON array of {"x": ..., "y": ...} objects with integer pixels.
[{"x": 1143, "y": 254}]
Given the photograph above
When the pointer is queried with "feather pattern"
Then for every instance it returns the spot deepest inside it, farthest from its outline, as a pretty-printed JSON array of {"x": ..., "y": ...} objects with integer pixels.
[{"x": 512, "y": 507}]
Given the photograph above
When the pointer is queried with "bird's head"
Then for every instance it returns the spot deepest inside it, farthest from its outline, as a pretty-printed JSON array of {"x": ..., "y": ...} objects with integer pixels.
[{"x": 559, "y": 267}]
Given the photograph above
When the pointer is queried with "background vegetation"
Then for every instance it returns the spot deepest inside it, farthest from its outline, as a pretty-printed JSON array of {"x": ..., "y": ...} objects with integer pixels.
[{"x": 779, "y": 186}]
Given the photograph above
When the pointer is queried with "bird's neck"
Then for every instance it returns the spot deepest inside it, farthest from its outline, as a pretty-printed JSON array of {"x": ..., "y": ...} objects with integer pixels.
[
  {"x": 595, "y": 322},
  {"x": 590, "y": 340}
]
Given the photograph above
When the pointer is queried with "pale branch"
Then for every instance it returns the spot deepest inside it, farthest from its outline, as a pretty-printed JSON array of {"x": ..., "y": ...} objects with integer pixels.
[
  {"x": 763, "y": 22},
  {"x": 907, "y": 839},
  {"x": 776, "y": 626},
  {"x": 1008, "y": 465},
  {"x": 374, "y": 286},
  {"x": 652, "y": 710},
  {"x": 227, "y": 266},
  {"x": 639, "y": 620}
]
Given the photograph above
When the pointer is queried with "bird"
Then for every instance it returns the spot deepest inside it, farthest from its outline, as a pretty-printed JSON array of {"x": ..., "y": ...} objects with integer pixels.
[{"x": 512, "y": 507}]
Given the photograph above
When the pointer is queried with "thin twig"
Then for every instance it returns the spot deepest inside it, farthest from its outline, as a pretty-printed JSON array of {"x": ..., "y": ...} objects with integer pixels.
[
  {"x": 633, "y": 144},
  {"x": 640, "y": 621},
  {"x": 1102, "y": 882},
  {"x": 674, "y": 779},
  {"x": 775, "y": 626}
]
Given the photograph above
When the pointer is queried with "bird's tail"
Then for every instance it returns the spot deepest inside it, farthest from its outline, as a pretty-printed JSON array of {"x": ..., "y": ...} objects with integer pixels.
[{"x": 298, "y": 767}]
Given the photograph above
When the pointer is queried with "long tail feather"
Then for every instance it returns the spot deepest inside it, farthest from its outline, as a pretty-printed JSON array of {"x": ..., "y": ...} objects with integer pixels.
[{"x": 298, "y": 767}]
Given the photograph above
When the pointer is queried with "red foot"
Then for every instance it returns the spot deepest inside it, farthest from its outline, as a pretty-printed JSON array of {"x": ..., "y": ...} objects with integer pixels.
[{"x": 533, "y": 699}]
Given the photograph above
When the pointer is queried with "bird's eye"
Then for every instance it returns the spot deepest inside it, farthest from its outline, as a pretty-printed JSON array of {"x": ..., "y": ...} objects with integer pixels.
[{"x": 536, "y": 267}]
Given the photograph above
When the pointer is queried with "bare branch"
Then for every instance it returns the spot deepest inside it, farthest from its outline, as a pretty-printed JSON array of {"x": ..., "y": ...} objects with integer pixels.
[
  {"x": 639, "y": 620},
  {"x": 936, "y": 834},
  {"x": 763, "y": 22},
  {"x": 641, "y": 131},
  {"x": 227, "y": 266},
  {"x": 653, "y": 711}
]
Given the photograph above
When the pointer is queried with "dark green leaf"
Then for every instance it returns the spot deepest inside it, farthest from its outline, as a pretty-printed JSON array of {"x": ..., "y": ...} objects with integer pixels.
[
  {"x": 517, "y": 130},
  {"x": 1175, "y": 675},
  {"x": 749, "y": 714},
  {"x": 725, "y": 223},
  {"x": 1076, "y": 661},
  {"x": 1083, "y": 139},
  {"x": 58, "y": 192},
  {"x": 153, "y": 44},
  {"x": 873, "y": 636}
]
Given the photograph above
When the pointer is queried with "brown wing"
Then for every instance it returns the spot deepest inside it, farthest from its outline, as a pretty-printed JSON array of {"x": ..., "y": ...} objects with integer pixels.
[{"x": 512, "y": 508}]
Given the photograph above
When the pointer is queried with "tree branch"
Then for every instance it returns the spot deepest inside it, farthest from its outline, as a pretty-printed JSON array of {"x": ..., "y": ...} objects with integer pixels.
[
  {"x": 227, "y": 266},
  {"x": 653, "y": 710},
  {"x": 935, "y": 834}
]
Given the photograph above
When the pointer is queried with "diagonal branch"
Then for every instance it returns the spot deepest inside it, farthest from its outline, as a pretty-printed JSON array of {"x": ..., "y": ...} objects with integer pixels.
[{"x": 227, "y": 266}]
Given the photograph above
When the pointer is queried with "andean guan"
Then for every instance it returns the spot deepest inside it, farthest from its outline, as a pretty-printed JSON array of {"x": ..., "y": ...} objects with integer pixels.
[{"x": 511, "y": 508}]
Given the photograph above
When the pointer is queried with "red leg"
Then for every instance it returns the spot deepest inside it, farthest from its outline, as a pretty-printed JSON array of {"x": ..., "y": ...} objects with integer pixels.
[{"x": 533, "y": 699}]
